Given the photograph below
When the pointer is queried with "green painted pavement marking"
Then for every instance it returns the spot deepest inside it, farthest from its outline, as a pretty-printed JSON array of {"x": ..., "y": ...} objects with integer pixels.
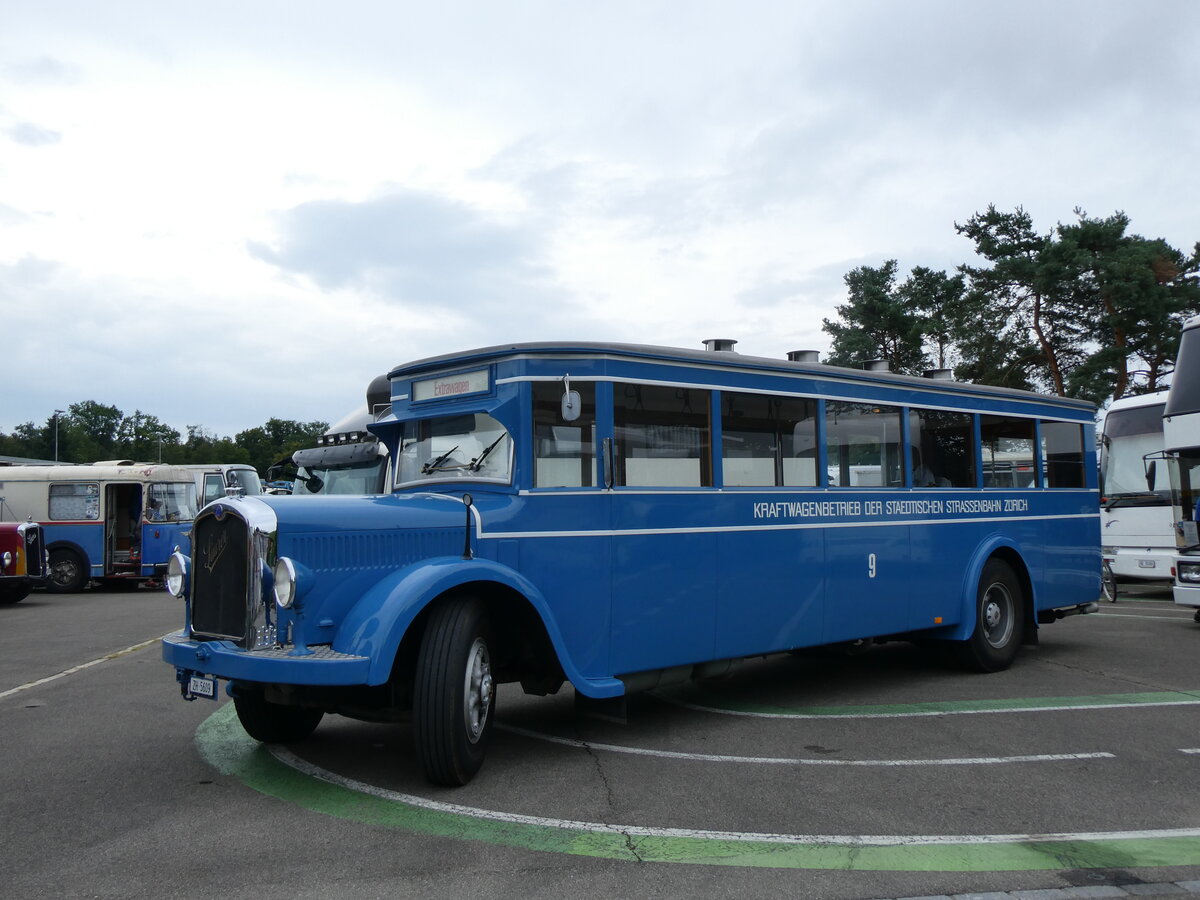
[
  {"x": 947, "y": 707},
  {"x": 225, "y": 746}
]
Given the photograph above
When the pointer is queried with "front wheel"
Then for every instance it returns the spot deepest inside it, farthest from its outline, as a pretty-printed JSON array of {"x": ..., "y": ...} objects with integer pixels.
[
  {"x": 273, "y": 723},
  {"x": 453, "y": 693},
  {"x": 68, "y": 574},
  {"x": 999, "y": 621}
]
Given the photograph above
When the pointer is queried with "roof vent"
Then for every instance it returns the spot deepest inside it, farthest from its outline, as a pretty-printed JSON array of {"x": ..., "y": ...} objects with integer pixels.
[
  {"x": 804, "y": 356},
  {"x": 939, "y": 374},
  {"x": 877, "y": 365},
  {"x": 716, "y": 344}
]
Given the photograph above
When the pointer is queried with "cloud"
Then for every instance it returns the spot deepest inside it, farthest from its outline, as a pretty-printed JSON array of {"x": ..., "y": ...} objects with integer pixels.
[
  {"x": 31, "y": 135},
  {"x": 409, "y": 247},
  {"x": 45, "y": 70}
]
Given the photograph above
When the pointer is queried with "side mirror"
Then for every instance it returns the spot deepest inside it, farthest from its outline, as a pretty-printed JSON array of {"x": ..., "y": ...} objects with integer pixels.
[
  {"x": 1151, "y": 466},
  {"x": 571, "y": 404}
]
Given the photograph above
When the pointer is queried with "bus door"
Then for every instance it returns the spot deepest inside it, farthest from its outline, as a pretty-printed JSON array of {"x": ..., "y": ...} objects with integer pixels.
[
  {"x": 170, "y": 509},
  {"x": 122, "y": 537},
  {"x": 664, "y": 595},
  {"x": 868, "y": 561}
]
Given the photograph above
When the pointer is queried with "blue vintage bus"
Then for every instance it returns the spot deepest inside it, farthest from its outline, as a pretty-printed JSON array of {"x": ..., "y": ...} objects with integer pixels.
[{"x": 622, "y": 517}]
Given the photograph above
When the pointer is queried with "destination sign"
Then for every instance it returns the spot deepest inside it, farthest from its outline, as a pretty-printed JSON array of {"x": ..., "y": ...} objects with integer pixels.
[{"x": 447, "y": 386}]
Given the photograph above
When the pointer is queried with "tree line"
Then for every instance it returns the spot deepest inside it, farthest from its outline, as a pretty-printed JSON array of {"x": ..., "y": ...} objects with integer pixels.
[
  {"x": 90, "y": 431},
  {"x": 1085, "y": 310}
]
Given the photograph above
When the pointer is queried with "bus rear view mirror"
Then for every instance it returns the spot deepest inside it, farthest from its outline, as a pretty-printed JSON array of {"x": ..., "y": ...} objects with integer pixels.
[{"x": 571, "y": 404}]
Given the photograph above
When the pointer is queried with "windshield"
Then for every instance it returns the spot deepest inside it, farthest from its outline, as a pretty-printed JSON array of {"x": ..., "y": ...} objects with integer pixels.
[
  {"x": 473, "y": 446},
  {"x": 350, "y": 478},
  {"x": 171, "y": 502},
  {"x": 1129, "y": 435},
  {"x": 247, "y": 480}
]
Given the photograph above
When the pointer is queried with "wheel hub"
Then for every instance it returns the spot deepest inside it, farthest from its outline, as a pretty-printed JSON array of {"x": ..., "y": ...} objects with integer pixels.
[{"x": 477, "y": 690}]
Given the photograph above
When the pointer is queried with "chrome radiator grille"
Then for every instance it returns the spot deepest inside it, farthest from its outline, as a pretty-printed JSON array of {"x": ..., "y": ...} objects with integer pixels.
[
  {"x": 35, "y": 550},
  {"x": 230, "y": 555}
]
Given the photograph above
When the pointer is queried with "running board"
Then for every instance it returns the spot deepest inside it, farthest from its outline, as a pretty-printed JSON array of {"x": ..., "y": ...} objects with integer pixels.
[{"x": 1046, "y": 616}]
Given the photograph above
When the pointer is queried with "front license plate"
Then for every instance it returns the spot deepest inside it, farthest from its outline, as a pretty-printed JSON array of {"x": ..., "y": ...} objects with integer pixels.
[
  {"x": 202, "y": 687},
  {"x": 1145, "y": 564}
]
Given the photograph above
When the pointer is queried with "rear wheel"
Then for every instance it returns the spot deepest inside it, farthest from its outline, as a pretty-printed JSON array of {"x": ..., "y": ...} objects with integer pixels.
[
  {"x": 453, "y": 692},
  {"x": 273, "y": 723},
  {"x": 68, "y": 574},
  {"x": 999, "y": 620}
]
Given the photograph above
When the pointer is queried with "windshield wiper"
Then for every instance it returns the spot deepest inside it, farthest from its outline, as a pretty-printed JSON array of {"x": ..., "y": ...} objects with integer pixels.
[
  {"x": 436, "y": 464},
  {"x": 478, "y": 461},
  {"x": 1139, "y": 498}
]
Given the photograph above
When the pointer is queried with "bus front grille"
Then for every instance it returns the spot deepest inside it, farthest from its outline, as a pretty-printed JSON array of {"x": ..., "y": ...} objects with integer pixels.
[
  {"x": 35, "y": 550},
  {"x": 220, "y": 577}
]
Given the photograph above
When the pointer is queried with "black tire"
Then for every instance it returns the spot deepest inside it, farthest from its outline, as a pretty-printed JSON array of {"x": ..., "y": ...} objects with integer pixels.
[
  {"x": 68, "y": 573},
  {"x": 1108, "y": 583},
  {"x": 273, "y": 723},
  {"x": 999, "y": 621},
  {"x": 14, "y": 593},
  {"x": 454, "y": 699}
]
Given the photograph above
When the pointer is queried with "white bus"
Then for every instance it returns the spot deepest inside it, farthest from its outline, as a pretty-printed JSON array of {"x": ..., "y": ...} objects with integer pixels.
[
  {"x": 1181, "y": 439},
  {"x": 1135, "y": 493},
  {"x": 117, "y": 524},
  {"x": 348, "y": 459}
]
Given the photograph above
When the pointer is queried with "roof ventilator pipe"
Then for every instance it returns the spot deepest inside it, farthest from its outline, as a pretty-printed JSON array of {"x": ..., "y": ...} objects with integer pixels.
[
  {"x": 877, "y": 365},
  {"x": 804, "y": 356},
  {"x": 720, "y": 344},
  {"x": 939, "y": 374}
]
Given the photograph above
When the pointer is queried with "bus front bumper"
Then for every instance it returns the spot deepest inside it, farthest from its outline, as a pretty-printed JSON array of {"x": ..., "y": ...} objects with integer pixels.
[{"x": 316, "y": 665}]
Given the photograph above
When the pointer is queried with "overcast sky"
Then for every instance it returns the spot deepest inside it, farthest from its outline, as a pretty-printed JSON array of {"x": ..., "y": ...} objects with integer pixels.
[{"x": 223, "y": 212}]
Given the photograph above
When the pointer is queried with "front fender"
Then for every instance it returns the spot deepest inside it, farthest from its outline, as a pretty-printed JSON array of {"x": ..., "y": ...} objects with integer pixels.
[{"x": 377, "y": 623}]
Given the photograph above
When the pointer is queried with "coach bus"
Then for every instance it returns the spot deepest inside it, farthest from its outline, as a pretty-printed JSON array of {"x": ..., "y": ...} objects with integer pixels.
[
  {"x": 116, "y": 523},
  {"x": 623, "y": 517},
  {"x": 1137, "y": 531},
  {"x": 1181, "y": 438},
  {"x": 348, "y": 459}
]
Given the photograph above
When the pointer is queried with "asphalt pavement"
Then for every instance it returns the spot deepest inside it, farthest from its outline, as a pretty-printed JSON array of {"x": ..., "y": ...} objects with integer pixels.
[{"x": 888, "y": 773}]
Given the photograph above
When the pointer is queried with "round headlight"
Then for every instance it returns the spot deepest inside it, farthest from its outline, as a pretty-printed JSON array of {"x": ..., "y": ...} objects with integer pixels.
[
  {"x": 285, "y": 582},
  {"x": 5, "y": 559},
  {"x": 177, "y": 574}
]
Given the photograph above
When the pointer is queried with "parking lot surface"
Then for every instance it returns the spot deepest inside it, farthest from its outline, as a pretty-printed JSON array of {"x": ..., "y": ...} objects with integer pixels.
[{"x": 880, "y": 774}]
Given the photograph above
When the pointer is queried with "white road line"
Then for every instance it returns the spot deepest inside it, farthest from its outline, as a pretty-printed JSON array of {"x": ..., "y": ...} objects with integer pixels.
[
  {"x": 79, "y": 668},
  {"x": 878, "y": 840},
  {"x": 1117, "y": 615},
  {"x": 784, "y": 761},
  {"x": 913, "y": 715},
  {"x": 1195, "y": 750}
]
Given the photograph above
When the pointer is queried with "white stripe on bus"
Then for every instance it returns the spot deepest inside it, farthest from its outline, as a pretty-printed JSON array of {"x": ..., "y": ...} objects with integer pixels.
[{"x": 716, "y": 529}]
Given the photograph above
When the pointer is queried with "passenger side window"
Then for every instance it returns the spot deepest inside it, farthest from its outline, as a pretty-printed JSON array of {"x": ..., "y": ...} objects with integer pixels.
[
  {"x": 943, "y": 448},
  {"x": 564, "y": 452},
  {"x": 74, "y": 501},
  {"x": 1007, "y": 452},
  {"x": 1062, "y": 454},
  {"x": 663, "y": 436},
  {"x": 862, "y": 445},
  {"x": 768, "y": 441}
]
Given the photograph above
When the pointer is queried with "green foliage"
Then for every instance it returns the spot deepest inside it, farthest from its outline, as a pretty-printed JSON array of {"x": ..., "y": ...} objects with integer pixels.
[
  {"x": 1086, "y": 310},
  {"x": 89, "y": 431},
  {"x": 877, "y": 323}
]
